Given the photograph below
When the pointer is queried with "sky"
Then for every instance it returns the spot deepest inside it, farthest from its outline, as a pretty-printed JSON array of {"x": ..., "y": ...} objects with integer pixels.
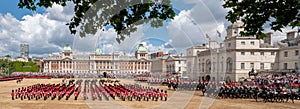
[{"x": 45, "y": 30}]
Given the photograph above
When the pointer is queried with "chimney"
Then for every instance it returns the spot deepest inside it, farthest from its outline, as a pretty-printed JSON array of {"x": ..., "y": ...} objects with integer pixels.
[
  {"x": 213, "y": 44},
  {"x": 268, "y": 38},
  {"x": 291, "y": 35}
]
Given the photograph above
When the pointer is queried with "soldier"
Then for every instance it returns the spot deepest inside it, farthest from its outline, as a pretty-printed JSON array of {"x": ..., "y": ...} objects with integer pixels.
[
  {"x": 147, "y": 95},
  {"x": 53, "y": 95},
  {"x": 19, "y": 93},
  {"x": 166, "y": 95},
  {"x": 12, "y": 94},
  {"x": 161, "y": 94},
  {"x": 85, "y": 96}
]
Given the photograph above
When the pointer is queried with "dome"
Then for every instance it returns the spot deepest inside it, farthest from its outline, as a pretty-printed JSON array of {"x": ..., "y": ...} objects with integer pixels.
[
  {"x": 98, "y": 51},
  {"x": 67, "y": 48},
  {"x": 141, "y": 48}
]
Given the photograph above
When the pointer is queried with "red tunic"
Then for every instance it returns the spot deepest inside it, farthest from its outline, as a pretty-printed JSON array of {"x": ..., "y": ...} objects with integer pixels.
[
  {"x": 166, "y": 95},
  {"x": 12, "y": 94}
]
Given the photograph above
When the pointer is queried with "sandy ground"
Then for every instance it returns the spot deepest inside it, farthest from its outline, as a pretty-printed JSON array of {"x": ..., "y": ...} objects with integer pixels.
[{"x": 177, "y": 100}]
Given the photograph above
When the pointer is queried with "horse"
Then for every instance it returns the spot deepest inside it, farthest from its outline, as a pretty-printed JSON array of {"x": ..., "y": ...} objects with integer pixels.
[
  {"x": 202, "y": 87},
  {"x": 174, "y": 85}
]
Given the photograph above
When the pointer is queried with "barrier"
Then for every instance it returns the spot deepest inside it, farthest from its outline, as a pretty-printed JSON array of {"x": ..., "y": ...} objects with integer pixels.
[{"x": 21, "y": 77}]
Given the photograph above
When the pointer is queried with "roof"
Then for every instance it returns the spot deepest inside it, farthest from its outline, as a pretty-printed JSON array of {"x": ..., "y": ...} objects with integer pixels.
[
  {"x": 176, "y": 58},
  {"x": 98, "y": 51},
  {"x": 141, "y": 48},
  {"x": 67, "y": 48}
]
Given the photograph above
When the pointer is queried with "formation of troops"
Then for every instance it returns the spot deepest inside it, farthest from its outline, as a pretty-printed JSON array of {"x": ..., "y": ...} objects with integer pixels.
[
  {"x": 269, "y": 87},
  {"x": 279, "y": 87},
  {"x": 47, "y": 91},
  {"x": 103, "y": 89}
]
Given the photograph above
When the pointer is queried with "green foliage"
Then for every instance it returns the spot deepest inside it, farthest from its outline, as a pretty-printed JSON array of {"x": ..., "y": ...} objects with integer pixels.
[
  {"x": 123, "y": 15},
  {"x": 17, "y": 66},
  {"x": 256, "y": 13}
]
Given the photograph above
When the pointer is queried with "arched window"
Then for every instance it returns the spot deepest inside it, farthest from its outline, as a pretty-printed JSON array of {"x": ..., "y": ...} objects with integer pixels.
[{"x": 229, "y": 65}]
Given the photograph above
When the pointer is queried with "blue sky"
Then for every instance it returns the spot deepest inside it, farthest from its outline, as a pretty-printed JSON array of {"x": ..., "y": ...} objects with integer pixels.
[
  {"x": 45, "y": 30},
  {"x": 11, "y": 6}
]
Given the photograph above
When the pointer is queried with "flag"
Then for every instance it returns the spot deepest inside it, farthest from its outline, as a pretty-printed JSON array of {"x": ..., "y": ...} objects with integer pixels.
[
  {"x": 207, "y": 36},
  {"x": 219, "y": 34}
]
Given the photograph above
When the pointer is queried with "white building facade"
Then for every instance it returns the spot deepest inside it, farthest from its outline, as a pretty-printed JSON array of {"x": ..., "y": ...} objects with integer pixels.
[
  {"x": 176, "y": 65},
  {"x": 97, "y": 62},
  {"x": 237, "y": 55}
]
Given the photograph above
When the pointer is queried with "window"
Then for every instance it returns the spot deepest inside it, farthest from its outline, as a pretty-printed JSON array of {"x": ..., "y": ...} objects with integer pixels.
[
  {"x": 243, "y": 42},
  {"x": 296, "y": 65},
  {"x": 285, "y": 66},
  {"x": 214, "y": 64},
  {"x": 285, "y": 54},
  {"x": 202, "y": 67},
  {"x": 252, "y": 53},
  {"x": 178, "y": 62},
  {"x": 222, "y": 66},
  {"x": 296, "y": 52},
  {"x": 242, "y": 53},
  {"x": 252, "y": 42},
  {"x": 272, "y": 53},
  {"x": 272, "y": 65},
  {"x": 242, "y": 65},
  {"x": 229, "y": 65},
  {"x": 251, "y": 65},
  {"x": 199, "y": 65},
  {"x": 179, "y": 68},
  {"x": 262, "y": 65},
  {"x": 262, "y": 53},
  {"x": 229, "y": 44}
]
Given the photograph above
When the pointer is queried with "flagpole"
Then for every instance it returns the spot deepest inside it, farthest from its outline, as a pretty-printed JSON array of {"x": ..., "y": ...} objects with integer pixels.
[{"x": 207, "y": 36}]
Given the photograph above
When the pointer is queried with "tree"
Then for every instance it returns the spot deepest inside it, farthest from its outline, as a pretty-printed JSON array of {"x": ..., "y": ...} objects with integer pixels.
[
  {"x": 7, "y": 56},
  {"x": 256, "y": 13},
  {"x": 122, "y": 15}
]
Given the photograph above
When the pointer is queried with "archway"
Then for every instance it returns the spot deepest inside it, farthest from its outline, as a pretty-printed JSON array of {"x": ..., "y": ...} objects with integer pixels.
[{"x": 104, "y": 74}]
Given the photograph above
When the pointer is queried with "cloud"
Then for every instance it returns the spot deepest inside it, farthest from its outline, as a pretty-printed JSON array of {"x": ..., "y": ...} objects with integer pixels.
[
  {"x": 131, "y": 42},
  {"x": 59, "y": 13},
  {"x": 277, "y": 36},
  {"x": 164, "y": 47},
  {"x": 45, "y": 33},
  {"x": 192, "y": 25}
]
